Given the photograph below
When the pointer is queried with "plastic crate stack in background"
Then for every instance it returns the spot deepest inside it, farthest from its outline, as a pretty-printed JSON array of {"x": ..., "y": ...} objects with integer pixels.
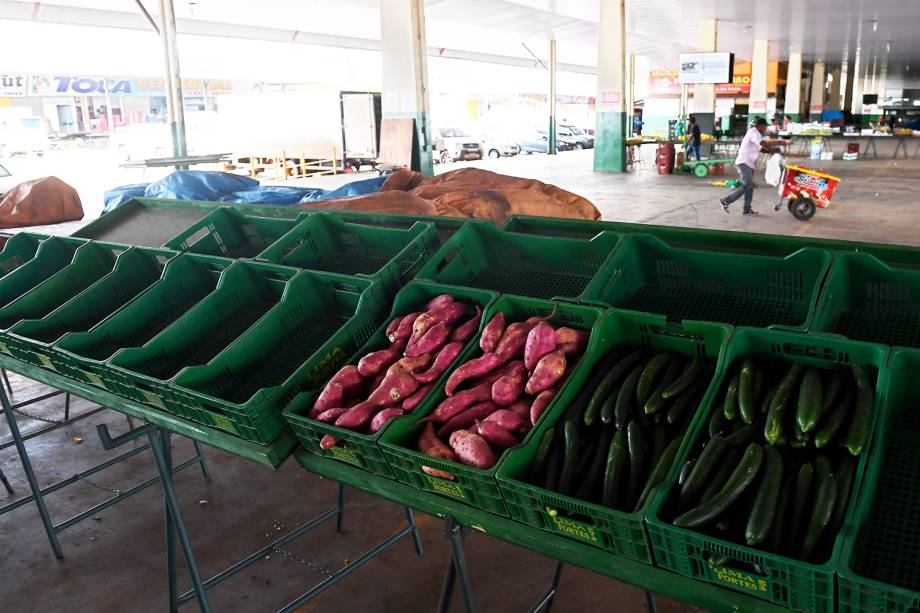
[
  {"x": 706, "y": 553},
  {"x": 620, "y": 333},
  {"x": 645, "y": 274},
  {"x": 482, "y": 256},
  {"x": 229, "y": 233}
]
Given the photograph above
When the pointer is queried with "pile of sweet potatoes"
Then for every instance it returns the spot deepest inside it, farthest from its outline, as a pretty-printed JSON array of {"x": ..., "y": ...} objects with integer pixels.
[
  {"x": 392, "y": 381},
  {"x": 493, "y": 400}
]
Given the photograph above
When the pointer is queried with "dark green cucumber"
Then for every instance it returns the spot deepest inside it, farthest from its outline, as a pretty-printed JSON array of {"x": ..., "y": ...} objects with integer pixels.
[
  {"x": 779, "y": 519},
  {"x": 554, "y": 465},
  {"x": 862, "y": 411},
  {"x": 800, "y": 504},
  {"x": 823, "y": 468},
  {"x": 590, "y": 481},
  {"x": 626, "y": 400},
  {"x": 742, "y": 477},
  {"x": 688, "y": 399},
  {"x": 764, "y": 512},
  {"x": 576, "y": 409},
  {"x": 767, "y": 399},
  {"x": 717, "y": 421},
  {"x": 706, "y": 465},
  {"x": 773, "y": 429},
  {"x": 607, "y": 384},
  {"x": 690, "y": 376},
  {"x": 760, "y": 385},
  {"x": 662, "y": 466},
  {"x": 844, "y": 477},
  {"x": 800, "y": 440},
  {"x": 808, "y": 407},
  {"x": 833, "y": 388},
  {"x": 539, "y": 459},
  {"x": 685, "y": 471},
  {"x": 637, "y": 462},
  {"x": 730, "y": 406},
  {"x": 570, "y": 459},
  {"x": 657, "y": 400},
  {"x": 744, "y": 435},
  {"x": 617, "y": 459},
  {"x": 833, "y": 421},
  {"x": 821, "y": 515},
  {"x": 746, "y": 397},
  {"x": 659, "y": 442},
  {"x": 726, "y": 467},
  {"x": 585, "y": 455},
  {"x": 649, "y": 377}
]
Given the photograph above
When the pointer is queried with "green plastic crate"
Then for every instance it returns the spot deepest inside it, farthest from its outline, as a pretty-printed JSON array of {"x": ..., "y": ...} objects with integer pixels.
[
  {"x": 19, "y": 249},
  {"x": 480, "y": 255},
  {"x": 90, "y": 263},
  {"x": 785, "y": 581},
  {"x": 51, "y": 257},
  {"x": 229, "y": 233},
  {"x": 618, "y": 532},
  {"x": 557, "y": 226},
  {"x": 445, "y": 226},
  {"x": 879, "y": 569},
  {"x": 136, "y": 269},
  {"x": 186, "y": 280},
  {"x": 245, "y": 292},
  {"x": 473, "y": 486},
  {"x": 322, "y": 319},
  {"x": 324, "y": 242},
  {"x": 865, "y": 299},
  {"x": 645, "y": 274},
  {"x": 358, "y": 448}
]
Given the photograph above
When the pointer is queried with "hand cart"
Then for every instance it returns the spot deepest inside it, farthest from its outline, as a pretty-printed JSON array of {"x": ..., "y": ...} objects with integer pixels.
[{"x": 805, "y": 190}]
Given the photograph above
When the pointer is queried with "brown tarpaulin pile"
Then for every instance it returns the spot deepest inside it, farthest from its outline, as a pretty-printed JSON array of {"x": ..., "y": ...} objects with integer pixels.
[
  {"x": 40, "y": 202},
  {"x": 469, "y": 192}
]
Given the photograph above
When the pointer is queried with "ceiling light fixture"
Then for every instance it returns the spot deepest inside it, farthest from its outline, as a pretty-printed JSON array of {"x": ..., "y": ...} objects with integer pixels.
[
  {"x": 888, "y": 47},
  {"x": 875, "y": 25}
]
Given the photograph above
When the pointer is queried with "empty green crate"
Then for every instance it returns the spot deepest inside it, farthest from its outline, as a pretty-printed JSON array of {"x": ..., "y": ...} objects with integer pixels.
[
  {"x": 355, "y": 447},
  {"x": 557, "y": 226},
  {"x": 618, "y": 532},
  {"x": 229, "y": 233},
  {"x": 19, "y": 249},
  {"x": 782, "y": 580},
  {"x": 445, "y": 226},
  {"x": 879, "y": 570},
  {"x": 482, "y": 256},
  {"x": 645, "y": 274},
  {"x": 186, "y": 280},
  {"x": 474, "y": 486},
  {"x": 245, "y": 292},
  {"x": 90, "y": 263},
  {"x": 322, "y": 319},
  {"x": 136, "y": 269},
  {"x": 865, "y": 299},
  {"x": 324, "y": 242}
]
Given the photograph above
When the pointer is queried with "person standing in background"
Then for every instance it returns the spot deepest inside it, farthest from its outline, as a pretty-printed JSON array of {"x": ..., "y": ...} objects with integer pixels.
[
  {"x": 751, "y": 147},
  {"x": 696, "y": 139},
  {"x": 637, "y": 126}
]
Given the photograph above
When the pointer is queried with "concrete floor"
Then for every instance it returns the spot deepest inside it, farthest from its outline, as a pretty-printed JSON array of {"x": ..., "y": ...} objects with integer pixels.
[{"x": 116, "y": 563}]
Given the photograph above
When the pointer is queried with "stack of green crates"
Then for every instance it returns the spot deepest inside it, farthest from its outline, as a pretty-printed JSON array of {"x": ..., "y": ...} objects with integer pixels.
[
  {"x": 19, "y": 249},
  {"x": 229, "y": 233}
]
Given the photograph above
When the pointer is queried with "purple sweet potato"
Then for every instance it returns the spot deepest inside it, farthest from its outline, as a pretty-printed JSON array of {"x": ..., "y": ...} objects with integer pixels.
[
  {"x": 396, "y": 386},
  {"x": 359, "y": 416},
  {"x": 382, "y": 417},
  {"x": 330, "y": 415},
  {"x": 438, "y": 301},
  {"x": 404, "y": 330},
  {"x": 347, "y": 381},
  {"x": 391, "y": 329},
  {"x": 448, "y": 313},
  {"x": 431, "y": 341},
  {"x": 465, "y": 331},
  {"x": 497, "y": 437},
  {"x": 328, "y": 441},
  {"x": 492, "y": 333},
  {"x": 522, "y": 407},
  {"x": 514, "y": 340},
  {"x": 509, "y": 420},
  {"x": 540, "y": 340},
  {"x": 442, "y": 360},
  {"x": 540, "y": 403},
  {"x": 548, "y": 371},
  {"x": 472, "y": 449},
  {"x": 478, "y": 367},
  {"x": 461, "y": 401},
  {"x": 509, "y": 388},
  {"x": 417, "y": 396},
  {"x": 431, "y": 445},
  {"x": 571, "y": 341},
  {"x": 468, "y": 417},
  {"x": 376, "y": 362}
]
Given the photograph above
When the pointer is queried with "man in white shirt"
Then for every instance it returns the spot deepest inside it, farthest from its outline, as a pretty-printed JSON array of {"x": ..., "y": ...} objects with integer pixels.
[{"x": 751, "y": 147}]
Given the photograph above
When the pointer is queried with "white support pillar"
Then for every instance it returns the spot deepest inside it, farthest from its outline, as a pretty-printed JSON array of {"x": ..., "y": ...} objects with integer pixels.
[
  {"x": 704, "y": 94},
  {"x": 833, "y": 95},
  {"x": 757, "y": 101},
  {"x": 551, "y": 134},
  {"x": 818, "y": 83},
  {"x": 610, "y": 128},
  {"x": 856, "y": 75},
  {"x": 793, "y": 104},
  {"x": 405, "y": 73}
]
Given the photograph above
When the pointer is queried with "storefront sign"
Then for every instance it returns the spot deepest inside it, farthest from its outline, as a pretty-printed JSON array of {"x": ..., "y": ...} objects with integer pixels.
[
  {"x": 81, "y": 85},
  {"x": 13, "y": 85}
]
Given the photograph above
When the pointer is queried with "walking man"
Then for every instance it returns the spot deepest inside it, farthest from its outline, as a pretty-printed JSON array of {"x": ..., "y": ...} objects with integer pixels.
[
  {"x": 751, "y": 147},
  {"x": 696, "y": 139}
]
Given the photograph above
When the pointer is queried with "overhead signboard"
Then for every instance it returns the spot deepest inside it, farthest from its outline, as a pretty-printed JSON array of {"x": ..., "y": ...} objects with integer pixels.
[
  {"x": 13, "y": 85},
  {"x": 706, "y": 68}
]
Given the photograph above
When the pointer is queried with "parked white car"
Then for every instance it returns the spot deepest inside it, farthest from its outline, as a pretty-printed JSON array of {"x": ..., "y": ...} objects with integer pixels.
[
  {"x": 498, "y": 147},
  {"x": 453, "y": 144}
]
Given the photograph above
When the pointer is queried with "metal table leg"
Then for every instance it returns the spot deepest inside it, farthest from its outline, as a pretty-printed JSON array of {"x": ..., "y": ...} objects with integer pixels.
[
  {"x": 650, "y": 602},
  {"x": 545, "y": 603},
  {"x": 454, "y": 533}
]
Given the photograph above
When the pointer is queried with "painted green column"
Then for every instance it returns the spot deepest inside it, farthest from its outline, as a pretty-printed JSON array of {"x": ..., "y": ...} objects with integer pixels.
[
  {"x": 405, "y": 74},
  {"x": 610, "y": 104}
]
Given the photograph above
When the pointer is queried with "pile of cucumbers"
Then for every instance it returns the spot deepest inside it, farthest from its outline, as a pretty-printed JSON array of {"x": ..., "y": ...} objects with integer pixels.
[
  {"x": 777, "y": 469},
  {"x": 620, "y": 436}
]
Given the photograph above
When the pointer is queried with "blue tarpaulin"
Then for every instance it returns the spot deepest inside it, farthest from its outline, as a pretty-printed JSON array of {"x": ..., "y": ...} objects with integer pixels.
[
  {"x": 114, "y": 198},
  {"x": 198, "y": 185},
  {"x": 274, "y": 194}
]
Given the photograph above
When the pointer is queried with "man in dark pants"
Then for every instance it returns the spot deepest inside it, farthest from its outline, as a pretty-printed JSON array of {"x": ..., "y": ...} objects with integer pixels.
[
  {"x": 695, "y": 139},
  {"x": 751, "y": 148}
]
